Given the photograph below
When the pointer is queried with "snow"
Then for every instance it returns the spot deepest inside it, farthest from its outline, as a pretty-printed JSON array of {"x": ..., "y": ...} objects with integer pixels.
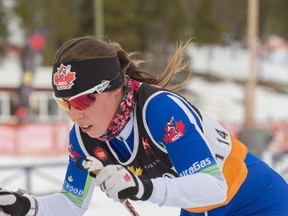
[
  {"x": 234, "y": 62},
  {"x": 10, "y": 71},
  {"x": 225, "y": 101}
]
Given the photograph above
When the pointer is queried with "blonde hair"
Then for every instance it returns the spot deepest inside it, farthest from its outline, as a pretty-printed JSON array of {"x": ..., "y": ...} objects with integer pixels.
[{"x": 88, "y": 47}]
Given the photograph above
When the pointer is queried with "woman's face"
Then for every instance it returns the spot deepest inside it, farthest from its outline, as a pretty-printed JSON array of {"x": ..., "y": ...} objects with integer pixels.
[{"x": 96, "y": 118}]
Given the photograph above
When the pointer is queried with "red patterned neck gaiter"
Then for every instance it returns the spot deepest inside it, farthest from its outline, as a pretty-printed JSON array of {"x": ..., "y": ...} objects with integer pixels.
[{"x": 122, "y": 114}]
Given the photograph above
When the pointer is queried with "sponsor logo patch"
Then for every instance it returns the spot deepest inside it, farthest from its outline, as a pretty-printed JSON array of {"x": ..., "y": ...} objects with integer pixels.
[
  {"x": 72, "y": 189},
  {"x": 127, "y": 178},
  {"x": 138, "y": 171},
  {"x": 146, "y": 146},
  {"x": 63, "y": 78},
  {"x": 73, "y": 154},
  {"x": 100, "y": 153},
  {"x": 196, "y": 167},
  {"x": 173, "y": 130}
]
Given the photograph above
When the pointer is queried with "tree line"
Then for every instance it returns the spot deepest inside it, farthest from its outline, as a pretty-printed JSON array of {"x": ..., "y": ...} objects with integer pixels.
[{"x": 145, "y": 25}]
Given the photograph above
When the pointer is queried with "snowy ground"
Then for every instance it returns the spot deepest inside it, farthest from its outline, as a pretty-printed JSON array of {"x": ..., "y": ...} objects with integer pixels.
[
  {"x": 225, "y": 101},
  {"x": 234, "y": 62}
]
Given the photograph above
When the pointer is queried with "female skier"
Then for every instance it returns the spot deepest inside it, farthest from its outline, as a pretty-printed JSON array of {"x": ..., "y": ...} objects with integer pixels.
[{"x": 151, "y": 143}]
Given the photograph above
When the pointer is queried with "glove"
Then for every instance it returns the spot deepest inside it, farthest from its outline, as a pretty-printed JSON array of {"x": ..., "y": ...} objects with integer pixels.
[
  {"x": 92, "y": 165},
  {"x": 17, "y": 203},
  {"x": 120, "y": 184}
]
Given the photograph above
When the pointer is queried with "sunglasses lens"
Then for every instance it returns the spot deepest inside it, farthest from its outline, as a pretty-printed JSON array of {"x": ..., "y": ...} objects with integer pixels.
[
  {"x": 82, "y": 102},
  {"x": 63, "y": 104}
]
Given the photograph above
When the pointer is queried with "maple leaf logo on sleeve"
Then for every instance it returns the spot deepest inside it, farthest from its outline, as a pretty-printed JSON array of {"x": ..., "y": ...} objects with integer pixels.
[
  {"x": 173, "y": 130},
  {"x": 64, "y": 78}
]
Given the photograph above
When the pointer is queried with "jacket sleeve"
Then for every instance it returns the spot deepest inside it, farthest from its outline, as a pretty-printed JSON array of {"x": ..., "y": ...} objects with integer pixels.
[
  {"x": 57, "y": 204},
  {"x": 78, "y": 186},
  {"x": 178, "y": 127}
]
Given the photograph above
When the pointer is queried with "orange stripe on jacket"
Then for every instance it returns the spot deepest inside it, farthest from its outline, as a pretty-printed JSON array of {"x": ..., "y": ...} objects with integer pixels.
[{"x": 234, "y": 171}]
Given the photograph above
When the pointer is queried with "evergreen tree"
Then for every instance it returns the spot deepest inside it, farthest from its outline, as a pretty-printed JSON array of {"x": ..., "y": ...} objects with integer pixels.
[
  {"x": 148, "y": 25},
  {"x": 207, "y": 28},
  {"x": 59, "y": 18},
  {"x": 3, "y": 27},
  {"x": 277, "y": 12}
]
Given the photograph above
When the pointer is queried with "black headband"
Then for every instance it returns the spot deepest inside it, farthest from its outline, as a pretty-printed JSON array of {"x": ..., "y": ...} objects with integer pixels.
[{"x": 72, "y": 78}]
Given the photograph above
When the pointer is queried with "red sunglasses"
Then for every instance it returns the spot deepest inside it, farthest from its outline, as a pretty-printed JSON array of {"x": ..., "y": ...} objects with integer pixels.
[{"x": 82, "y": 100}]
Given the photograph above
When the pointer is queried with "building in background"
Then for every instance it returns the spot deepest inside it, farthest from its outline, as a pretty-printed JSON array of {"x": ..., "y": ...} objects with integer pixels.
[
  {"x": 40, "y": 100},
  {"x": 46, "y": 127}
]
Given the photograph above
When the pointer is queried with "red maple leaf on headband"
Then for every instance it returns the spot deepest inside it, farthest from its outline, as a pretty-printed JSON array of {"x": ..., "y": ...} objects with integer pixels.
[{"x": 63, "y": 78}]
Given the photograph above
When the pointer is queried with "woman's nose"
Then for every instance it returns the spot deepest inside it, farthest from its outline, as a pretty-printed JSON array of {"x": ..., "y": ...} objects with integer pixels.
[{"x": 75, "y": 115}]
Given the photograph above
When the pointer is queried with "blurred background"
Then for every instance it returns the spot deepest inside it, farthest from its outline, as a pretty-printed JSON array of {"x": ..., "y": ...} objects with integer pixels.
[{"x": 238, "y": 57}]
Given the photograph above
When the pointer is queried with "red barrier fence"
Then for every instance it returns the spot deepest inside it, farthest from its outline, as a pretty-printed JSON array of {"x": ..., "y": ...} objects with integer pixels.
[
  {"x": 52, "y": 138},
  {"x": 40, "y": 139}
]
